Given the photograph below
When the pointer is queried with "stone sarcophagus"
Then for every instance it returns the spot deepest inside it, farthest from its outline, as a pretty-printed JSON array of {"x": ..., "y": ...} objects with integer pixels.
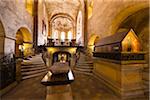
[{"x": 118, "y": 61}]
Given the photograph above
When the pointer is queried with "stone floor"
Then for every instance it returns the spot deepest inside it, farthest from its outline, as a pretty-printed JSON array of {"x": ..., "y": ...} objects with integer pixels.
[{"x": 85, "y": 87}]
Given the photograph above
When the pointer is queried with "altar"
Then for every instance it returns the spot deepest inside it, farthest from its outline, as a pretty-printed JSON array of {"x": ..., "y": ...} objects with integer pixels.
[{"x": 57, "y": 52}]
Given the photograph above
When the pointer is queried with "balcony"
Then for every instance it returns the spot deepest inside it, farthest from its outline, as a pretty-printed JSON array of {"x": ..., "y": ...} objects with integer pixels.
[{"x": 59, "y": 42}]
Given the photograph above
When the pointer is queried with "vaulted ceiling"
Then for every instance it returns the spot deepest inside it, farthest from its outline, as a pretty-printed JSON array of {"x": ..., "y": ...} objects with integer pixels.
[{"x": 69, "y": 7}]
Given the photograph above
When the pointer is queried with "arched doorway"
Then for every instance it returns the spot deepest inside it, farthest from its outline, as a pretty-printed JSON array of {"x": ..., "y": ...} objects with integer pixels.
[
  {"x": 61, "y": 56},
  {"x": 92, "y": 40},
  {"x": 124, "y": 14},
  {"x": 62, "y": 27},
  {"x": 2, "y": 38},
  {"x": 23, "y": 44}
]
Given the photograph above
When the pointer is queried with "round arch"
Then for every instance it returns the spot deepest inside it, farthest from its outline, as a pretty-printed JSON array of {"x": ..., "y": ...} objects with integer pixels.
[
  {"x": 126, "y": 12},
  {"x": 94, "y": 38},
  {"x": 23, "y": 43},
  {"x": 2, "y": 39},
  {"x": 26, "y": 34},
  {"x": 63, "y": 15},
  {"x": 61, "y": 54}
]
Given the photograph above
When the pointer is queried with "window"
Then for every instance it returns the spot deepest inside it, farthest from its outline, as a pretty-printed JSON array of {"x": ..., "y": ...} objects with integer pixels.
[
  {"x": 55, "y": 35},
  {"x": 70, "y": 35},
  {"x": 63, "y": 36}
]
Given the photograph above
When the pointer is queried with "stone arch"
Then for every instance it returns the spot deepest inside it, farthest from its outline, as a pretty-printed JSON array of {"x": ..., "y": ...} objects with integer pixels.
[
  {"x": 140, "y": 26},
  {"x": 125, "y": 13},
  {"x": 23, "y": 43},
  {"x": 58, "y": 15},
  {"x": 2, "y": 39},
  {"x": 94, "y": 38},
  {"x": 57, "y": 58}
]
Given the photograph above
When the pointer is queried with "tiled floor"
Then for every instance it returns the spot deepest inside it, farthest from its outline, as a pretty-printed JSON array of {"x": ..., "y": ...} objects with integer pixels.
[
  {"x": 85, "y": 87},
  {"x": 30, "y": 89}
]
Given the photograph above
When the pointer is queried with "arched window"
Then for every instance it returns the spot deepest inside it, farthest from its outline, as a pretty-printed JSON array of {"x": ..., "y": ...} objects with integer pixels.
[
  {"x": 55, "y": 35},
  {"x": 63, "y": 36},
  {"x": 79, "y": 35},
  {"x": 70, "y": 35}
]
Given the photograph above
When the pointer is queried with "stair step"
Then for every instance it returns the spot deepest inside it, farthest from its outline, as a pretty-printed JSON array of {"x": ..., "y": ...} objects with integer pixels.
[
  {"x": 85, "y": 62},
  {"x": 84, "y": 70},
  {"x": 33, "y": 72},
  {"x": 32, "y": 69},
  {"x": 32, "y": 66},
  {"x": 84, "y": 67},
  {"x": 34, "y": 75},
  {"x": 91, "y": 65},
  {"x": 87, "y": 73}
]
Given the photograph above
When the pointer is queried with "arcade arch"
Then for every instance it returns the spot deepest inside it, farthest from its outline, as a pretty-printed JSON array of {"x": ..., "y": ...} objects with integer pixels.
[{"x": 23, "y": 44}]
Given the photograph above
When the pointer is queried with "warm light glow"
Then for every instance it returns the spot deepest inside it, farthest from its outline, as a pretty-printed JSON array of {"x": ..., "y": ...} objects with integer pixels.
[
  {"x": 63, "y": 36},
  {"x": 27, "y": 49},
  {"x": 72, "y": 50},
  {"x": 55, "y": 35},
  {"x": 90, "y": 9},
  {"x": 29, "y": 6},
  {"x": 70, "y": 35},
  {"x": 131, "y": 43},
  {"x": 91, "y": 47},
  {"x": 21, "y": 47}
]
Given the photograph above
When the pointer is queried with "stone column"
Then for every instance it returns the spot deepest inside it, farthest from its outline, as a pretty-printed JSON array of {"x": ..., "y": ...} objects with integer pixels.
[
  {"x": 85, "y": 24},
  {"x": 72, "y": 60},
  {"x": 35, "y": 27},
  {"x": 49, "y": 59}
]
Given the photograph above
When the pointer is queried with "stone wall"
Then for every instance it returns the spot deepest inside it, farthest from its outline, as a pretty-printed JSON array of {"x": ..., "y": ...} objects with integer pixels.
[
  {"x": 42, "y": 21},
  {"x": 107, "y": 15},
  {"x": 13, "y": 16}
]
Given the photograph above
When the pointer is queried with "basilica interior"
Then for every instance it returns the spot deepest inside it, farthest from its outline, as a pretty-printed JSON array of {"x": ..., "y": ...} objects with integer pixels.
[{"x": 74, "y": 49}]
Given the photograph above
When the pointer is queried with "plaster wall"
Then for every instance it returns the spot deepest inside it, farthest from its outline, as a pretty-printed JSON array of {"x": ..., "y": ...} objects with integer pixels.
[
  {"x": 108, "y": 14},
  {"x": 42, "y": 19},
  {"x": 13, "y": 15}
]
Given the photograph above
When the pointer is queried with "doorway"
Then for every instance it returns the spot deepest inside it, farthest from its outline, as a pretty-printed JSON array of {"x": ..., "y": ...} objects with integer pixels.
[{"x": 62, "y": 57}]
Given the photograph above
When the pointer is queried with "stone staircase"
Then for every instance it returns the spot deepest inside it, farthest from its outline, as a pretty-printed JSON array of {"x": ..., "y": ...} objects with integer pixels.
[
  {"x": 33, "y": 67},
  {"x": 84, "y": 64}
]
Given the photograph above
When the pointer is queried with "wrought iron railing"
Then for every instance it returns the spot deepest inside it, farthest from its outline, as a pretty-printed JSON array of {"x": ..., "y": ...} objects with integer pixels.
[{"x": 7, "y": 70}]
